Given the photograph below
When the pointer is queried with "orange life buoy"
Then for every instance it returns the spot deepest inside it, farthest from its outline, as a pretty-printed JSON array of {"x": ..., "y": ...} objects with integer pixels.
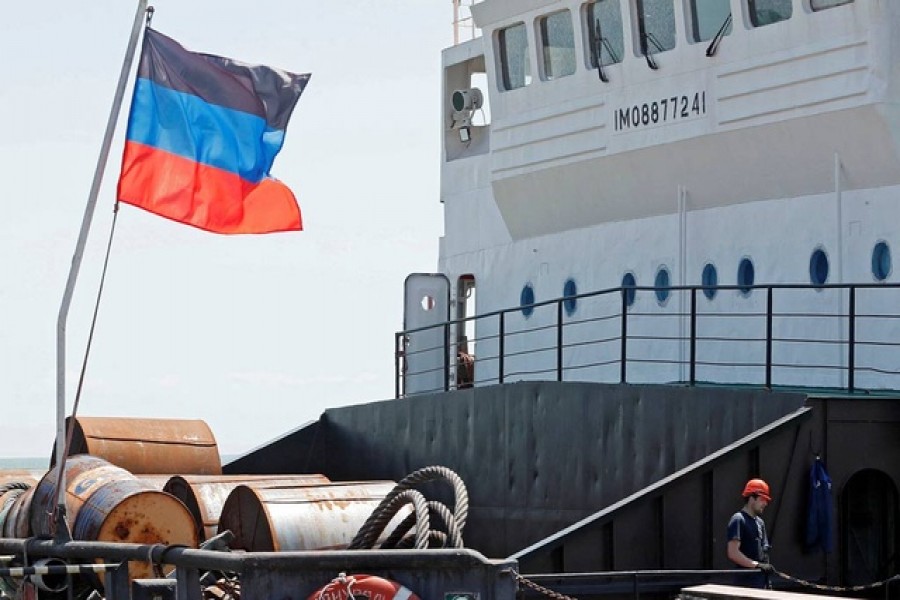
[{"x": 369, "y": 586}]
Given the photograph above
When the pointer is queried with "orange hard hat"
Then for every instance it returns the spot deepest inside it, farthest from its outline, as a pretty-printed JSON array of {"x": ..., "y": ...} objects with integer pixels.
[{"x": 759, "y": 488}]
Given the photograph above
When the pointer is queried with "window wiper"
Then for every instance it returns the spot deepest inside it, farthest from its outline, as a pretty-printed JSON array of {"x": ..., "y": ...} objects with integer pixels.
[
  {"x": 598, "y": 51},
  {"x": 609, "y": 49},
  {"x": 649, "y": 37},
  {"x": 601, "y": 42},
  {"x": 714, "y": 44}
]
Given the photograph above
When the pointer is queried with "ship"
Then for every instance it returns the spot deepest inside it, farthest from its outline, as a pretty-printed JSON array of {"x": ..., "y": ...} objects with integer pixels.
[{"x": 666, "y": 269}]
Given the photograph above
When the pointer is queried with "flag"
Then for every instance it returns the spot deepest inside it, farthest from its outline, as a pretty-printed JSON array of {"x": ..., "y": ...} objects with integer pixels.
[{"x": 202, "y": 135}]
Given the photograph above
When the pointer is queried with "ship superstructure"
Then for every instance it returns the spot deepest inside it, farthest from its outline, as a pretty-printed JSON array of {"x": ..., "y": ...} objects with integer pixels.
[{"x": 651, "y": 144}]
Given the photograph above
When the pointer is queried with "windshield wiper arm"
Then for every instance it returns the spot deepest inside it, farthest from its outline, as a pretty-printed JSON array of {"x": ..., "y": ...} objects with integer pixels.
[
  {"x": 598, "y": 51},
  {"x": 649, "y": 37},
  {"x": 714, "y": 44},
  {"x": 609, "y": 49}
]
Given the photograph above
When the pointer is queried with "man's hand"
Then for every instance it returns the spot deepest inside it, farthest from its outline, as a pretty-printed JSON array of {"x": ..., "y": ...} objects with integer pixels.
[{"x": 764, "y": 566}]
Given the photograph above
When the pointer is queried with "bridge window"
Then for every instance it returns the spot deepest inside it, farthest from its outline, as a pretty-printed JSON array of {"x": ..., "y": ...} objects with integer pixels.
[
  {"x": 709, "y": 280},
  {"x": 515, "y": 65},
  {"x": 628, "y": 291},
  {"x": 656, "y": 25},
  {"x": 557, "y": 44},
  {"x": 766, "y": 12},
  {"x": 818, "y": 267},
  {"x": 570, "y": 290},
  {"x": 881, "y": 261},
  {"x": 823, "y": 4},
  {"x": 746, "y": 275},
  {"x": 604, "y": 26},
  {"x": 708, "y": 17},
  {"x": 526, "y": 300},
  {"x": 662, "y": 283}
]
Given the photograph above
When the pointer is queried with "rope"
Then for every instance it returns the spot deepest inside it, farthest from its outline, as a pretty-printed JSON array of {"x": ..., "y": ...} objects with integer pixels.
[
  {"x": 398, "y": 537},
  {"x": 454, "y": 521},
  {"x": 419, "y": 517},
  {"x": 343, "y": 580},
  {"x": 14, "y": 485}
]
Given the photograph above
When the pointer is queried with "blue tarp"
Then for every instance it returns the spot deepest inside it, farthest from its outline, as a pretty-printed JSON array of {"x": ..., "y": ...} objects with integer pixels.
[{"x": 821, "y": 509}]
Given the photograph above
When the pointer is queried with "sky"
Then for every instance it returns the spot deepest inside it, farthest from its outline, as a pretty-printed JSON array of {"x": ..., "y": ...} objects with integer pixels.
[{"x": 256, "y": 335}]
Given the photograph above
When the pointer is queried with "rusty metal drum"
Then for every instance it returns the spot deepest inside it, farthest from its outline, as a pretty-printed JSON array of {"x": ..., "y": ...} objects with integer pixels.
[
  {"x": 149, "y": 446},
  {"x": 302, "y": 518},
  {"x": 107, "y": 503},
  {"x": 205, "y": 495}
]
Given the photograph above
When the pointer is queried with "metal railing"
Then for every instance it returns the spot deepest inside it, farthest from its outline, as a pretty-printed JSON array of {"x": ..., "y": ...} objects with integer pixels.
[
  {"x": 844, "y": 337},
  {"x": 262, "y": 575}
]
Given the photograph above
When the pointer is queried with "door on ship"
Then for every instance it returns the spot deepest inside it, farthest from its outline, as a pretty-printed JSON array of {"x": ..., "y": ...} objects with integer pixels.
[
  {"x": 870, "y": 528},
  {"x": 426, "y": 311},
  {"x": 465, "y": 331}
]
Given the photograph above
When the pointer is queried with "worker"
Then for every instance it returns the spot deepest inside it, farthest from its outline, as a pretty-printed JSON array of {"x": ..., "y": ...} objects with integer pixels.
[{"x": 748, "y": 544}]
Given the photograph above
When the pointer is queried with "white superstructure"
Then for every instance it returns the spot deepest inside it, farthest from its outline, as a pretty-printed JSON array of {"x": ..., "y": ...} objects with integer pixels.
[{"x": 718, "y": 143}]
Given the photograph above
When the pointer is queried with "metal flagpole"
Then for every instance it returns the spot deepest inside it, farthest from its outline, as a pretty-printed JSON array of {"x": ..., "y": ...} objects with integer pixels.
[{"x": 62, "y": 529}]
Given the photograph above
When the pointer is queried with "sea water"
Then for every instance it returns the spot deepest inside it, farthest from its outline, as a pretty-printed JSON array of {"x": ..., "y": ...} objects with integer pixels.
[
  {"x": 38, "y": 463},
  {"x": 30, "y": 463}
]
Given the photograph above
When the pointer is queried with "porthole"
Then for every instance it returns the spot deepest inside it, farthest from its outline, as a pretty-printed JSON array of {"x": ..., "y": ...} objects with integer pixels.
[
  {"x": 661, "y": 283},
  {"x": 818, "y": 267},
  {"x": 746, "y": 276},
  {"x": 526, "y": 300},
  {"x": 628, "y": 291},
  {"x": 570, "y": 302},
  {"x": 709, "y": 279},
  {"x": 881, "y": 261}
]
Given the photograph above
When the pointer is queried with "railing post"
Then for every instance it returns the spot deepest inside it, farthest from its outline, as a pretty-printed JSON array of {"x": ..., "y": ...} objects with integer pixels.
[
  {"x": 187, "y": 584},
  {"x": 502, "y": 342},
  {"x": 851, "y": 341},
  {"x": 559, "y": 340},
  {"x": 693, "y": 342},
  {"x": 623, "y": 369},
  {"x": 398, "y": 341},
  {"x": 447, "y": 356},
  {"x": 769, "y": 295}
]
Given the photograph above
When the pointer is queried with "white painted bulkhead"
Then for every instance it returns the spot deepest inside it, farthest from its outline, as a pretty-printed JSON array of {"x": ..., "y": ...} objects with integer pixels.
[{"x": 796, "y": 149}]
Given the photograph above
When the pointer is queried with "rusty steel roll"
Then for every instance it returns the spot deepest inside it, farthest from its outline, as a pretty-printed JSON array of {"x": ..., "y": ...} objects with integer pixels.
[
  {"x": 148, "y": 446},
  {"x": 157, "y": 482},
  {"x": 323, "y": 517},
  {"x": 84, "y": 475},
  {"x": 17, "y": 523},
  {"x": 11, "y": 487},
  {"x": 109, "y": 504},
  {"x": 204, "y": 495}
]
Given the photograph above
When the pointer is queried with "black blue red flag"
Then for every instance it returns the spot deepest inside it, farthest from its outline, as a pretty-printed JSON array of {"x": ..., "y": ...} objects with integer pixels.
[{"x": 203, "y": 133}]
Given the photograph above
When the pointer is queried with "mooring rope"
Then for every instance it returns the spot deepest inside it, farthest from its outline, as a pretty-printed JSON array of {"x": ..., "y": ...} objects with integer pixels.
[{"x": 454, "y": 521}]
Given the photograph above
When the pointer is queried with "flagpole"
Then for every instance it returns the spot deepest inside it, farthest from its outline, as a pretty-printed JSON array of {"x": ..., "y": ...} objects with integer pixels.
[{"x": 61, "y": 526}]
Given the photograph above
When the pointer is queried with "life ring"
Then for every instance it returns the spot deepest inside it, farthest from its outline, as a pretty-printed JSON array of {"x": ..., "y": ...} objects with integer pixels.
[{"x": 368, "y": 586}]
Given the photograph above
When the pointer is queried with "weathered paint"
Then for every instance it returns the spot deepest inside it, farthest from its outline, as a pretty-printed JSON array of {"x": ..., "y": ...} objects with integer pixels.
[
  {"x": 149, "y": 446},
  {"x": 204, "y": 495},
  {"x": 302, "y": 517}
]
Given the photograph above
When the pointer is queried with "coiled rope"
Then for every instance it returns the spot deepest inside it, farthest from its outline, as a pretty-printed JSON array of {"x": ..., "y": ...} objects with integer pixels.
[{"x": 421, "y": 518}]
